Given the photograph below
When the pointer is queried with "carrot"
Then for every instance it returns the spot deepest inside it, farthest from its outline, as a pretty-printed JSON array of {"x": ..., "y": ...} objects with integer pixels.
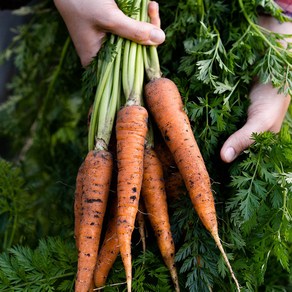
[
  {"x": 109, "y": 250},
  {"x": 97, "y": 176},
  {"x": 153, "y": 193},
  {"x": 78, "y": 202},
  {"x": 174, "y": 185},
  {"x": 165, "y": 104},
  {"x": 131, "y": 129},
  {"x": 164, "y": 155},
  {"x": 141, "y": 224}
]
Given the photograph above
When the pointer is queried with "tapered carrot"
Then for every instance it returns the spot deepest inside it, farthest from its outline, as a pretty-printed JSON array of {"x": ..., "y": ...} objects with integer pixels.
[
  {"x": 109, "y": 250},
  {"x": 131, "y": 129},
  {"x": 96, "y": 184},
  {"x": 153, "y": 192},
  {"x": 165, "y": 104}
]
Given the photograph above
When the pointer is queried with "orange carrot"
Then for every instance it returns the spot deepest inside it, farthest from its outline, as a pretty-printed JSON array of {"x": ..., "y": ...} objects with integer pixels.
[
  {"x": 174, "y": 185},
  {"x": 78, "y": 203},
  {"x": 141, "y": 224},
  {"x": 165, "y": 104},
  {"x": 164, "y": 155},
  {"x": 109, "y": 250},
  {"x": 154, "y": 196},
  {"x": 131, "y": 129},
  {"x": 97, "y": 177}
]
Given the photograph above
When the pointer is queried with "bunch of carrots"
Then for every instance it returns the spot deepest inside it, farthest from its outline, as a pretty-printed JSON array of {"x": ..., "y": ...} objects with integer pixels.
[{"x": 126, "y": 106}]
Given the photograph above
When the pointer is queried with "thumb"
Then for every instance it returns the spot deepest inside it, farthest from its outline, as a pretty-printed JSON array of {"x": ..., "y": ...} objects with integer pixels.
[
  {"x": 141, "y": 32},
  {"x": 239, "y": 141}
]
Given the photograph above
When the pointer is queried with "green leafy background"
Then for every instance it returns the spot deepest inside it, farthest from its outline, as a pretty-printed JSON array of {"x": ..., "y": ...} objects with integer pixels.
[{"x": 212, "y": 51}]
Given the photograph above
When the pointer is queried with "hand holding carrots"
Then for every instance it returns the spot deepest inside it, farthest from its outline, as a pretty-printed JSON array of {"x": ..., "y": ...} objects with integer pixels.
[{"x": 89, "y": 21}]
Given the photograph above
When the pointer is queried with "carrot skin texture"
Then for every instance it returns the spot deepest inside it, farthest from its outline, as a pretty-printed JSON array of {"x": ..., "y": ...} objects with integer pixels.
[
  {"x": 109, "y": 250},
  {"x": 131, "y": 129},
  {"x": 153, "y": 193},
  {"x": 97, "y": 176},
  {"x": 174, "y": 186},
  {"x": 78, "y": 203},
  {"x": 165, "y": 104}
]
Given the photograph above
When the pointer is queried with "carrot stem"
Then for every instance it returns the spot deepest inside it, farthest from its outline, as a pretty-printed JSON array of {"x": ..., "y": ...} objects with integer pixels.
[
  {"x": 106, "y": 97},
  {"x": 108, "y": 106},
  {"x": 125, "y": 81}
]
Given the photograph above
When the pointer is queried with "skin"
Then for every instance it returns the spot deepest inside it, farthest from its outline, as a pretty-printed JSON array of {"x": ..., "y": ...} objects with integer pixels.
[{"x": 88, "y": 22}]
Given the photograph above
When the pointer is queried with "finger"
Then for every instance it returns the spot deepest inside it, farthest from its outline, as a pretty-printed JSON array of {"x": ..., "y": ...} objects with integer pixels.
[
  {"x": 137, "y": 31},
  {"x": 153, "y": 12},
  {"x": 240, "y": 140}
]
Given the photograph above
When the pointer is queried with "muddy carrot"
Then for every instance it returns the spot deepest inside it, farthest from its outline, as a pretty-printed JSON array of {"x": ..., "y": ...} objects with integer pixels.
[
  {"x": 96, "y": 184},
  {"x": 165, "y": 104},
  {"x": 131, "y": 129},
  {"x": 153, "y": 192}
]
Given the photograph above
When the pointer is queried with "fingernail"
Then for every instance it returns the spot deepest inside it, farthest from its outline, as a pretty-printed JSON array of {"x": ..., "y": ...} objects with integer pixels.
[
  {"x": 157, "y": 36},
  {"x": 230, "y": 154}
]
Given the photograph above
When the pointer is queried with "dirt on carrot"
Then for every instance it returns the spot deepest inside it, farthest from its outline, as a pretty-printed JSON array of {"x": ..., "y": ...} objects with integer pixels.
[{"x": 78, "y": 203}]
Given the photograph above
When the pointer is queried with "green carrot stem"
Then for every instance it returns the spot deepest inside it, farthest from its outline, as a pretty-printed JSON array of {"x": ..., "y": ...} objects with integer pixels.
[
  {"x": 102, "y": 94},
  {"x": 125, "y": 81},
  {"x": 144, "y": 10},
  {"x": 150, "y": 55},
  {"x": 114, "y": 103},
  {"x": 101, "y": 131},
  {"x": 131, "y": 65},
  {"x": 135, "y": 69}
]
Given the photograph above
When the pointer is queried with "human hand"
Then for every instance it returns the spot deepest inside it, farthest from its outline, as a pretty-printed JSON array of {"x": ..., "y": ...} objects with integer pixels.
[
  {"x": 267, "y": 108},
  {"x": 265, "y": 113},
  {"x": 89, "y": 21}
]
